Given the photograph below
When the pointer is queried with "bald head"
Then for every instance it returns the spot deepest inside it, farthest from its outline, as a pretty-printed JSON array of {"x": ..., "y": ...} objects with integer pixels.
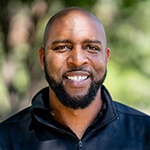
[
  {"x": 74, "y": 57},
  {"x": 72, "y": 12}
]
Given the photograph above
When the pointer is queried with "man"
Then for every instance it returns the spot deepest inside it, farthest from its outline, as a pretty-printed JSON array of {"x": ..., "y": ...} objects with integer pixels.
[{"x": 75, "y": 111}]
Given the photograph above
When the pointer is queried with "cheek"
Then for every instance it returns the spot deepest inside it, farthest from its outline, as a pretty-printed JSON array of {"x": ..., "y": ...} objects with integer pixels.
[
  {"x": 99, "y": 67},
  {"x": 99, "y": 63},
  {"x": 54, "y": 64}
]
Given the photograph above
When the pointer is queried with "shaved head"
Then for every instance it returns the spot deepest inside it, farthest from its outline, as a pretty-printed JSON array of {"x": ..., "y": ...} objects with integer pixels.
[
  {"x": 76, "y": 11},
  {"x": 75, "y": 57}
]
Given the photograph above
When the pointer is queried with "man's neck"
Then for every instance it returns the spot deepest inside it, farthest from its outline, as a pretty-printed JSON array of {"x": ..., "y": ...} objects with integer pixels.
[{"x": 77, "y": 120}]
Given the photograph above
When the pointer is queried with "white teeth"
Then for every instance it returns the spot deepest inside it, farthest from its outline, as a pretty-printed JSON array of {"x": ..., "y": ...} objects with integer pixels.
[{"x": 77, "y": 78}]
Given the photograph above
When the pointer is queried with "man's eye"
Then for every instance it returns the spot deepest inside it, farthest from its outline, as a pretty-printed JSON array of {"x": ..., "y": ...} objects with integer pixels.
[
  {"x": 60, "y": 47},
  {"x": 93, "y": 48},
  {"x": 63, "y": 47}
]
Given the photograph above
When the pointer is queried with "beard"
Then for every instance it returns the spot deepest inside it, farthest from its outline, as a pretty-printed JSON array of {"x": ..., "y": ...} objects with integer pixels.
[{"x": 73, "y": 102}]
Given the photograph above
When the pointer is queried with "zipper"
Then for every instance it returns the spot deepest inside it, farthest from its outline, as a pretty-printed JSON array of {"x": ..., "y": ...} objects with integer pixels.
[
  {"x": 104, "y": 124},
  {"x": 80, "y": 145}
]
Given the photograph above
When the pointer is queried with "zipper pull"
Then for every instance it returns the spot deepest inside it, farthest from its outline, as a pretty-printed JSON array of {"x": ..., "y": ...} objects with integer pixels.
[{"x": 80, "y": 145}]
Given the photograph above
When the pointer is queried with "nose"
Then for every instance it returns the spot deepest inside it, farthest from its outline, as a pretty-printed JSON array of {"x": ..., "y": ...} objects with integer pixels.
[{"x": 77, "y": 57}]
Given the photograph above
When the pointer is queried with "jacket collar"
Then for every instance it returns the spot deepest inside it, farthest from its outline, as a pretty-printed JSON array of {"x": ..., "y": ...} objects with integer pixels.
[
  {"x": 40, "y": 111},
  {"x": 41, "y": 101},
  {"x": 109, "y": 113}
]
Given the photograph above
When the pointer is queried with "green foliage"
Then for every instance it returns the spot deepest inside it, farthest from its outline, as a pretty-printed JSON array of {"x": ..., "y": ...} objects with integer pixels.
[
  {"x": 83, "y": 3},
  {"x": 22, "y": 25}
]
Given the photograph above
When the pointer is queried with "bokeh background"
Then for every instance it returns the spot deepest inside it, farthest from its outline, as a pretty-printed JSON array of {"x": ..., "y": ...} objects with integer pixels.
[{"x": 127, "y": 25}]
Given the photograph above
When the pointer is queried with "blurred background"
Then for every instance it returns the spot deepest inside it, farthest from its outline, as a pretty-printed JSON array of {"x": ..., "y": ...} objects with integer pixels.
[{"x": 127, "y": 25}]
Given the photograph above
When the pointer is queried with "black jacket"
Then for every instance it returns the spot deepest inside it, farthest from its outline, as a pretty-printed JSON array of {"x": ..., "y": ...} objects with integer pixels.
[{"x": 117, "y": 127}]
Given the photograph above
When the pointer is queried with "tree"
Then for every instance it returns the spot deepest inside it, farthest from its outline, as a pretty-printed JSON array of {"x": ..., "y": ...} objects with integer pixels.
[{"x": 22, "y": 24}]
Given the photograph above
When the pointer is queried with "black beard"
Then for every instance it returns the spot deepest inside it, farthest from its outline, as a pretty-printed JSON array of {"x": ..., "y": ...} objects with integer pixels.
[{"x": 73, "y": 102}]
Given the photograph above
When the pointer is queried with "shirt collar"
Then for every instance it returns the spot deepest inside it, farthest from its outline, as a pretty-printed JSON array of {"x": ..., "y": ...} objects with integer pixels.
[{"x": 40, "y": 103}]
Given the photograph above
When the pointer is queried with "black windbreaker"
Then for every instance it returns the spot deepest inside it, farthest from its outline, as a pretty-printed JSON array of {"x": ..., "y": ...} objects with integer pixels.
[{"x": 117, "y": 127}]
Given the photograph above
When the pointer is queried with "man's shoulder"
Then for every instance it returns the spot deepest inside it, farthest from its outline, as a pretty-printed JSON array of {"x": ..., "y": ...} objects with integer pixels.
[
  {"x": 18, "y": 118},
  {"x": 129, "y": 111}
]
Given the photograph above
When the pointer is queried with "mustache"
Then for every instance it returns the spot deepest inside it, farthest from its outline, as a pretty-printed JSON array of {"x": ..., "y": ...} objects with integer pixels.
[
  {"x": 69, "y": 70},
  {"x": 78, "y": 69}
]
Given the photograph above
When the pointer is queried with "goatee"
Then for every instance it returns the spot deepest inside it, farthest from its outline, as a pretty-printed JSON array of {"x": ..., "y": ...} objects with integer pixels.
[{"x": 73, "y": 102}]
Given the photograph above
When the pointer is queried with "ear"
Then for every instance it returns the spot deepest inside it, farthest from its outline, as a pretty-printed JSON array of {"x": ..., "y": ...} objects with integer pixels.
[
  {"x": 41, "y": 55},
  {"x": 107, "y": 54}
]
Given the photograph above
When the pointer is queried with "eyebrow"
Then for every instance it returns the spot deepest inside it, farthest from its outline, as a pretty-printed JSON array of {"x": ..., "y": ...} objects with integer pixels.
[
  {"x": 61, "y": 41},
  {"x": 68, "y": 41},
  {"x": 92, "y": 41}
]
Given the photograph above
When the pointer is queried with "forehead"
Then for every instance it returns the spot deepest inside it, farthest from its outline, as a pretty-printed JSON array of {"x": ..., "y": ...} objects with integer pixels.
[
  {"x": 75, "y": 19},
  {"x": 75, "y": 23}
]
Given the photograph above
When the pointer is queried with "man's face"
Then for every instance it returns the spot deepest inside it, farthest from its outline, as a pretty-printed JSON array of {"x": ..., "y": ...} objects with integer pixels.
[{"x": 75, "y": 59}]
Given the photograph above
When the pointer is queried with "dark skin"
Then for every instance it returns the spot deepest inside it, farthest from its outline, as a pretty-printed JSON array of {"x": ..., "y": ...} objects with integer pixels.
[{"x": 75, "y": 39}]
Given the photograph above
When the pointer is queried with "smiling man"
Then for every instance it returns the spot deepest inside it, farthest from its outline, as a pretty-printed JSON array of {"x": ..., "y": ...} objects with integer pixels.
[
  {"x": 74, "y": 58},
  {"x": 75, "y": 111}
]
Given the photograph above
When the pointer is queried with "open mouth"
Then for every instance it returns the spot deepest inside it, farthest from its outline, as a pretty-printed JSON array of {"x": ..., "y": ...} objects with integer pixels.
[{"x": 77, "y": 76}]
